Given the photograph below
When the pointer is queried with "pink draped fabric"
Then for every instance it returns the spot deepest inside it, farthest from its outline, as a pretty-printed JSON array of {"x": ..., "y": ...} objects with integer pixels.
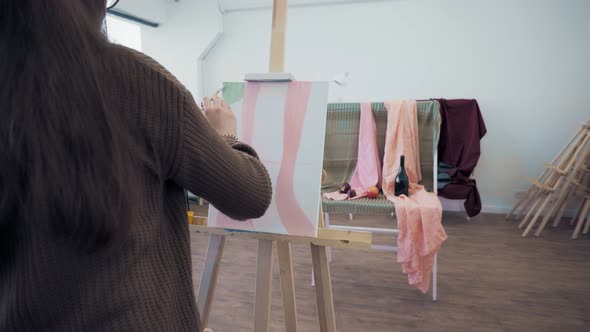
[
  {"x": 291, "y": 213},
  {"x": 368, "y": 167},
  {"x": 421, "y": 233},
  {"x": 401, "y": 136}
]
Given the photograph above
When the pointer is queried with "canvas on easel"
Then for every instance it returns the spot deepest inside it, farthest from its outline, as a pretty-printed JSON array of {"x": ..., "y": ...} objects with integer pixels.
[{"x": 285, "y": 123}]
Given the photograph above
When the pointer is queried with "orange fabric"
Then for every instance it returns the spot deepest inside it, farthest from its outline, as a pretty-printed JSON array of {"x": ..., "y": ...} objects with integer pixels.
[
  {"x": 401, "y": 138},
  {"x": 419, "y": 216}
]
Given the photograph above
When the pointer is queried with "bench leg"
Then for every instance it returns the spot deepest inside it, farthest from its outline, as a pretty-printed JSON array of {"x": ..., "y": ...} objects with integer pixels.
[
  {"x": 327, "y": 225},
  {"x": 434, "y": 278}
]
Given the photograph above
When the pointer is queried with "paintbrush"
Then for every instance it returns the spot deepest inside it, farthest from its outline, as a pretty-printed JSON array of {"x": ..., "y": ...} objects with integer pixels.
[{"x": 214, "y": 95}]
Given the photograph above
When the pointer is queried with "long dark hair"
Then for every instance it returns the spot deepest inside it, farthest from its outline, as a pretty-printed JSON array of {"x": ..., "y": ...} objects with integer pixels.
[{"x": 66, "y": 152}]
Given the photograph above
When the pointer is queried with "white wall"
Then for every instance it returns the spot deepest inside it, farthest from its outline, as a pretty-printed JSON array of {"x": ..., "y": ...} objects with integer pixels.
[
  {"x": 177, "y": 43},
  {"x": 123, "y": 32},
  {"x": 525, "y": 61}
]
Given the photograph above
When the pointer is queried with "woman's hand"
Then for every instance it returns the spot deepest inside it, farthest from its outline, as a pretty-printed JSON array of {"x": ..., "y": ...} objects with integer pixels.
[{"x": 219, "y": 115}]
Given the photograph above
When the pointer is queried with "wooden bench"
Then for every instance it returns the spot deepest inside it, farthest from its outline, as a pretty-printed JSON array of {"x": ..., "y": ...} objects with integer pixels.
[{"x": 340, "y": 157}]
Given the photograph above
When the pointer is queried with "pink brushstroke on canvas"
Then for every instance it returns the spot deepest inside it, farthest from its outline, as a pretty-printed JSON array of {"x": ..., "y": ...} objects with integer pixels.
[
  {"x": 249, "y": 112},
  {"x": 291, "y": 213}
]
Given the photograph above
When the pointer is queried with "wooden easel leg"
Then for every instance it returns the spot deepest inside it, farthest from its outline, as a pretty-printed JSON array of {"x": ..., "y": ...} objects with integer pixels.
[
  {"x": 510, "y": 216},
  {"x": 287, "y": 285},
  {"x": 560, "y": 201},
  {"x": 539, "y": 212},
  {"x": 209, "y": 277},
  {"x": 530, "y": 213},
  {"x": 535, "y": 193},
  {"x": 277, "y": 37},
  {"x": 560, "y": 204},
  {"x": 578, "y": 211},
  {"x": 587, "y": 225},
  {"x": 547, "y": 215},
  {"x": 559, "y": 215},
  {"x": 323, "y": 287},
  {"x": 583, "y": 216},
  {"x": 323, "y": 221},
  {"x": 263, "y": 286}
]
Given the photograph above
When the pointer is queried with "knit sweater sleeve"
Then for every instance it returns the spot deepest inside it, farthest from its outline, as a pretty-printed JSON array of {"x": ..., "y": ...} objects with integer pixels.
[
  {"x": 225, "y": 172},
  {"x": 191, "y": 153}
]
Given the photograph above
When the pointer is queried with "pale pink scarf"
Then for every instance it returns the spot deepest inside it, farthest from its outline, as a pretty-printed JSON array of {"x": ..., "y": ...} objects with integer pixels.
[
  {"x": 368, "y": 167},
  {"x": 419, "y": 216}
]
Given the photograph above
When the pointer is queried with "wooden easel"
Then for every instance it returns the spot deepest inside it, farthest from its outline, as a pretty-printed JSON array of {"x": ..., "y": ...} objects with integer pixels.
[
  {"x": 325, "y": 238},
  {"x": 548, "y": 195}
]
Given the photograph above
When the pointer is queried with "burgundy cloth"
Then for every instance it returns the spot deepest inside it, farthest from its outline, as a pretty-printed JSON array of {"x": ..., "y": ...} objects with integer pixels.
[{"x": 461, "y": 131}]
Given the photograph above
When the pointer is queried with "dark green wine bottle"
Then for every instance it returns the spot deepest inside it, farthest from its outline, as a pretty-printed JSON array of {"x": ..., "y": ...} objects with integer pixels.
[{"x": 402, "y": 183}]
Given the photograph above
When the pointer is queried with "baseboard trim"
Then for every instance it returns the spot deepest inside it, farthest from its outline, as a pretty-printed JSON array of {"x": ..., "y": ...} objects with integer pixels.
[{"x": 454, "y": 205}]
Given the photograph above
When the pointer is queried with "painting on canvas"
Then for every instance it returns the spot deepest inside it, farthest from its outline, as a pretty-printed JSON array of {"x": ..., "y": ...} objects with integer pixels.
[{"x": 285, "y": 123}]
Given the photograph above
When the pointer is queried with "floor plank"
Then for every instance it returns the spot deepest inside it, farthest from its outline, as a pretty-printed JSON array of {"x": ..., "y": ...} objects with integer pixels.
[{"x": 490, "y": 279}]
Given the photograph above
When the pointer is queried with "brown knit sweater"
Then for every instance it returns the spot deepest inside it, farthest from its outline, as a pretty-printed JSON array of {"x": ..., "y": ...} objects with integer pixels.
[{"x": 147, "y": 285}]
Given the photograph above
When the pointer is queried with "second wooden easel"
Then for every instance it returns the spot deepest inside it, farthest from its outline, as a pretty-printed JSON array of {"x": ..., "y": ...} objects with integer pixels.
[
  {"x": 325, "y": 238},
  {"x": 562, "y": 180}
]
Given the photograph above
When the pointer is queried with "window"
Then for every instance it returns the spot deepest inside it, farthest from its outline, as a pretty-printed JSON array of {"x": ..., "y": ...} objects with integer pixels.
[{"x": 123, "y": 32}]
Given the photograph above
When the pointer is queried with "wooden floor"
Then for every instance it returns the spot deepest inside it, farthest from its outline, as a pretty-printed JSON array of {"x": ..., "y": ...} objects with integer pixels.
[{"x": 490, "y": 279}]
